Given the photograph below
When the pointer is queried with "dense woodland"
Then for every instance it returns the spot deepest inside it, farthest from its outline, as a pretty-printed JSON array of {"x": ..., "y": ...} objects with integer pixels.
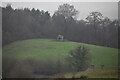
[{"x": 21, "y": 24}]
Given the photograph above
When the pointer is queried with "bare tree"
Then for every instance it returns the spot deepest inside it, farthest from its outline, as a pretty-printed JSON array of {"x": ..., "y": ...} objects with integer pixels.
[
  {"x": 67, "y": 11},
  {"x": 95, "y": 18}
]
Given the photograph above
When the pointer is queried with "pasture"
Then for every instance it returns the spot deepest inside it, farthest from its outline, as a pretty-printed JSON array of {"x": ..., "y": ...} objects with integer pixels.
[{"x": 48, "y": 49}]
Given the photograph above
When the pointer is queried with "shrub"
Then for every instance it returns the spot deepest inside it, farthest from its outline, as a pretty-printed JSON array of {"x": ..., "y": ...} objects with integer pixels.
[{"x": 79, "y": 58}]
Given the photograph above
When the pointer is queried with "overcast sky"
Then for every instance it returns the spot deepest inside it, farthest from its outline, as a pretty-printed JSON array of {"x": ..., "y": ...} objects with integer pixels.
[{"x": 108, "y": 9}]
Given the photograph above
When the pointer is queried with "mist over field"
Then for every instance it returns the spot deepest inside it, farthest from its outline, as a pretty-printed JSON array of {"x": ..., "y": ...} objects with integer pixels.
[{"x": 60, "y": 40}]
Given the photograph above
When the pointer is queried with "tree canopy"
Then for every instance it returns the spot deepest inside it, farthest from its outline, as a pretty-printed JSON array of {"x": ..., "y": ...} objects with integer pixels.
[
  {"x": 67, "y": 11},
  {"x": 21, "y": 24}
]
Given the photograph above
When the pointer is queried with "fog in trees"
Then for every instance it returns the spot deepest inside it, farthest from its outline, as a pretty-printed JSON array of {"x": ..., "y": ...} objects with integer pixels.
[
  {"x": 21, "y": 24},
  {"x": 25, "y": 23}
]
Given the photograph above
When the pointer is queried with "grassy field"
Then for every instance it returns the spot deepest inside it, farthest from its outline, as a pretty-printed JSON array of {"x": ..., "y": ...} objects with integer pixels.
[
  {"x": 49, "y": 49},
  {"x": 98, "y": 73}
]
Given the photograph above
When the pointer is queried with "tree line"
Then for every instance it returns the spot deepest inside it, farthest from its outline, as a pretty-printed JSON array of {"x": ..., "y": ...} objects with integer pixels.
[{"x": 21, "y": 24}]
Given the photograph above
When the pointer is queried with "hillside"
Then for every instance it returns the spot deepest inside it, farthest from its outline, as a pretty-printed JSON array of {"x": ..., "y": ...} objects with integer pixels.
[{"x": 46, "y": 49}]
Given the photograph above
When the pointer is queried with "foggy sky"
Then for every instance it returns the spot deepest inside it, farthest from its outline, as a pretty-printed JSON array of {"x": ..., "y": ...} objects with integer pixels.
[{"x": 108, "y": 9}]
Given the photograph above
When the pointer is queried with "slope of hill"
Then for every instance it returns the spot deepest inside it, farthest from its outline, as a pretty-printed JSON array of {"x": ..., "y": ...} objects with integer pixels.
[{"x": 50, "y": 49}]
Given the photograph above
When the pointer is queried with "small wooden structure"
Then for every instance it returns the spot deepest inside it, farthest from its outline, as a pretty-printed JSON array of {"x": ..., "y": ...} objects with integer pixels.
[{"x": 60, "y": 38}]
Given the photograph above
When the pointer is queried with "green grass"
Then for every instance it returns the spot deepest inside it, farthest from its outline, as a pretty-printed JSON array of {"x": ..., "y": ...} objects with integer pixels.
[
  {"x": 49, "y": 49},
  {"x": 98, "y": 73}
]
